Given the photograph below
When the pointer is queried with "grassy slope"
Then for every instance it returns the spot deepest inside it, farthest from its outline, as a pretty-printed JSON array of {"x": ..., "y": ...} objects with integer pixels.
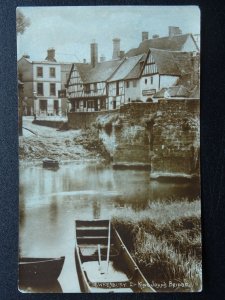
[{"x": 165, "y": 241}]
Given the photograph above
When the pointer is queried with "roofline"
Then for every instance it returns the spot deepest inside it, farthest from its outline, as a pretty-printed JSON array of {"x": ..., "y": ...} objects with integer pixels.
[
  {"x": 44, "y": 61},
  {"x": 71, "y": 69},
  {"x": 122, "y": 61}
]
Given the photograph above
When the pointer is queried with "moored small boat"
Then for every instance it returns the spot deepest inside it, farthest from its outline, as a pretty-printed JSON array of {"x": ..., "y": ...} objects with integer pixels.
[
  {"x": 40, "y": 269},
  {"x": 50, "y": 163},
  {"x": 103, "y": 262}
]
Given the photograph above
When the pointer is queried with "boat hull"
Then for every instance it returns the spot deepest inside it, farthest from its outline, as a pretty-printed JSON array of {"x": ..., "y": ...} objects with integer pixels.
[
  {"x": 50, "y": 164},
  {"x": 40, "y": 270}
]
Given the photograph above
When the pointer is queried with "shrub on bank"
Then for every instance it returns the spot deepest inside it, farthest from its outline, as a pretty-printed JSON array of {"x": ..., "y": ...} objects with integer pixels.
[{"x": 165, "y": 243}]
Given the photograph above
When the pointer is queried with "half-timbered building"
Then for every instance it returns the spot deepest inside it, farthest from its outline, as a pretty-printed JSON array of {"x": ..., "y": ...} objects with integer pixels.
[
  {"x": 162, "y": 69},
  {"x": 123, "y": 85},
  {"x": 87, "y": 86}
]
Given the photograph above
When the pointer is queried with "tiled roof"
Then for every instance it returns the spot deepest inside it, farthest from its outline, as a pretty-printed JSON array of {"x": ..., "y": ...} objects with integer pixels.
[
  {"x": 174, "y": 43},
  {"x": 127, "y": 69},
  {"x": 172, "y": 62},
  {"x": 83, "y": 70},
  {"x": 103, "y": 71},
  {"x": 160, "y": 93},
  {"x": 176, "y": 91}
]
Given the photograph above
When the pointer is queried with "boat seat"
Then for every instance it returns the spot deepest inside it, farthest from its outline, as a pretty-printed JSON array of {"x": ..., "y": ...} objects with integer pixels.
[{"x": 92, "y": 252}]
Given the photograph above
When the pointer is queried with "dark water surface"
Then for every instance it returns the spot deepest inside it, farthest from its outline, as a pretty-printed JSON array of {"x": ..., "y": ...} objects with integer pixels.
[{"x": 50, "y": 201}]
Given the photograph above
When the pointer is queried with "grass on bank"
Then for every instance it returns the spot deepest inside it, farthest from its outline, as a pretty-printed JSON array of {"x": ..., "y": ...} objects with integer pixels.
[{"x": 165, "y": 241}]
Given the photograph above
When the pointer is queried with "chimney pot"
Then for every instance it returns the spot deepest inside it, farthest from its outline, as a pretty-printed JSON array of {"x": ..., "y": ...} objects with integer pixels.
[
  {"x": 144, "y": 35},
  {"x": 102, "y": 58}
]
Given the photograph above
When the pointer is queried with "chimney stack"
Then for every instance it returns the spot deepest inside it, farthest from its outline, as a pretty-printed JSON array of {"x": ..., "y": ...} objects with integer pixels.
[
  {"x": 94, "y": 54},
  {"x": 173, "y": 30},
  {"x": 116, "y": 48},
  {"x": 144, "y": 35},
  {"x": 51, "y": 55},
  {"x": 84, "y": 61},
  {"x": 26, "y": 56}
]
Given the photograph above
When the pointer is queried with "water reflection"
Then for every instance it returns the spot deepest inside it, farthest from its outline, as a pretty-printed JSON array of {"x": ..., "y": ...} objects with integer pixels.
[
  {"x": 51, "y": 201},
  {"x": 53, "y": 287}
]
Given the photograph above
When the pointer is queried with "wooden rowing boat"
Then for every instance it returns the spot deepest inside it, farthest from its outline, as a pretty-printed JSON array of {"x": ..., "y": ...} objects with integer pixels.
[
  {"x": 40, "y": 287},
  {"x": 50, "y": 163},
  {"x": 40, "y": 269},
  {"x": 103, "y": 262}
]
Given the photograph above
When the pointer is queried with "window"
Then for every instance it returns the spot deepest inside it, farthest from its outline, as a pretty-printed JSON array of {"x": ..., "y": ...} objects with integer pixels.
[
  {"x": 40, "y": 89},
  {"x": 43, "y": 105},
  {"x": 52, "y": 89},
  {"x": 117, "y": 88},
  {"x": 127, "y": 84},
  {"x": 87, "y": 88},
  {"x": 146, "y": 81},
  {"x": 114, "y": 102},
  {"x": 52, "y": 72},
  {"x": 39, "y": 72},
  {"x": 95, "y": 87},
  {"x": 56, "y": 106},
  {"x": 151, "y": 79},
  {"x": 134, "y": 83}
]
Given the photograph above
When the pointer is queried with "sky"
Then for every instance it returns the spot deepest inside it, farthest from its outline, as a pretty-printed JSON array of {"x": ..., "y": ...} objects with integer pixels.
[{"x": 71, "y": 29}]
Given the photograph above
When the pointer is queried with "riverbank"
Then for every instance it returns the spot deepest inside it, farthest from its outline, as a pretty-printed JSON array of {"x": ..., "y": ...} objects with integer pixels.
[
  {"x": 39, "y": 142},
  {"x": 165, "y": 241}
]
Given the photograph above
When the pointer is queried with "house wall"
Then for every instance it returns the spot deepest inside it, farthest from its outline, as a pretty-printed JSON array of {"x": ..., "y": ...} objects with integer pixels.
[
  {"x": 46, "y": 79},
  {"x": 46, "y": 89},
  {"x": 147, "y": 88},
  {"x": 112, "y": 94},
  {"x": 132, "y": 93},
  {"x": 46, "y": 75}
]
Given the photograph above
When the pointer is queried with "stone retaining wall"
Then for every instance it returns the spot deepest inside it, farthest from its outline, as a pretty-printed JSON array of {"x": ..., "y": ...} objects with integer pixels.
[
  {"x": 163, "y": 135},
  {"x": 49, "y": 123}
]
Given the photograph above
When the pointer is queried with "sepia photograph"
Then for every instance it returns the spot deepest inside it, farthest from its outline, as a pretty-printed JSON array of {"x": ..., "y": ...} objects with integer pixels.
[{"x": 109, "y": 149}]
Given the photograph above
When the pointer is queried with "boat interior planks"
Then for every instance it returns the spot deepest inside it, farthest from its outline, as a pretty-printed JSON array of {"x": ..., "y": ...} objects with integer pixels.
[{"x": 103, "y": 262}]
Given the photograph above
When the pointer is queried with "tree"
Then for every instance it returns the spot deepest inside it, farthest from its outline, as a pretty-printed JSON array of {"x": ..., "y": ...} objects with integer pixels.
[{"x": 21, "y": 22}]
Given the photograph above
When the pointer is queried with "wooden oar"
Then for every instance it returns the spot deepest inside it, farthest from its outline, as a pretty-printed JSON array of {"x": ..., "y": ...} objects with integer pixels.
[
  {"x": 99, "y": 256},
  {"x": 108, "y": 248}
]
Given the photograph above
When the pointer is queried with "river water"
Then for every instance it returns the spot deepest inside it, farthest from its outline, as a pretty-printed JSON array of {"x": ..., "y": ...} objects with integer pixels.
[{"x": 50, "y": 201}]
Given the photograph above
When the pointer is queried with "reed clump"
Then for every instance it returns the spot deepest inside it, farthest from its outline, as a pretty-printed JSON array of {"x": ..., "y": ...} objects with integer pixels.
[{"x": 165, "y": 241}]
